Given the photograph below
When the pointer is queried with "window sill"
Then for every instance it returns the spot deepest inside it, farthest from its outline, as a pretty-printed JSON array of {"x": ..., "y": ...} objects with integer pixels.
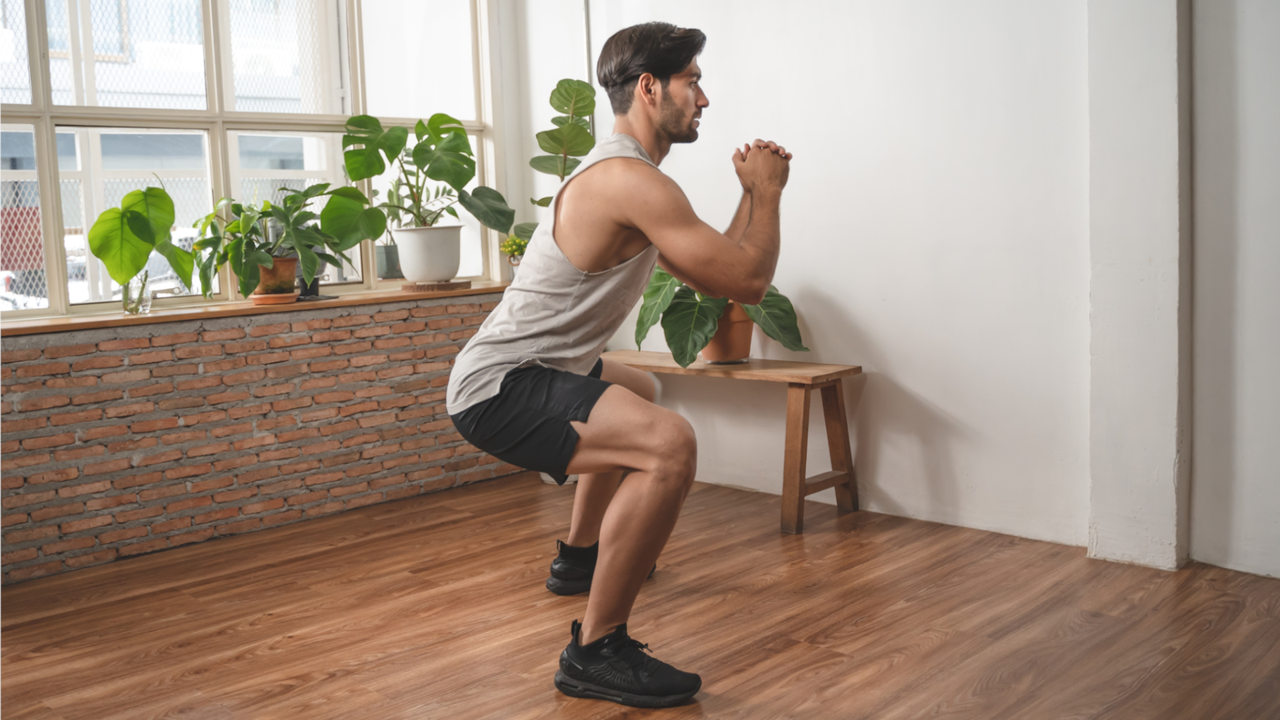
[{"x": 229, "y": 309}]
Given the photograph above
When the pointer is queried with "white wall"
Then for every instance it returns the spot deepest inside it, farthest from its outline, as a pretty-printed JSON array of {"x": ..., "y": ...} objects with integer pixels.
[
  {"x": 935, "y": 232},
  {"x": 1235, "y": 508}
]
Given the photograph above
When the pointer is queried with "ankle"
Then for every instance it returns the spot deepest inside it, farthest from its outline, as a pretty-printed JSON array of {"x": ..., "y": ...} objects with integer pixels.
[
  {"x": 590, "y": 633},
  {"x": 581, "y": 539}
]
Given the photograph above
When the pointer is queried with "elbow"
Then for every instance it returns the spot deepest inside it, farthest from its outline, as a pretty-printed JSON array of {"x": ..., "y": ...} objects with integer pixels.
[{"x": 752, "y": 294}]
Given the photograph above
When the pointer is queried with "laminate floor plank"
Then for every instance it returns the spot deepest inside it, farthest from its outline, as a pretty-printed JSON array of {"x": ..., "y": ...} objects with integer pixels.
[{"x": 434, "y": 607}]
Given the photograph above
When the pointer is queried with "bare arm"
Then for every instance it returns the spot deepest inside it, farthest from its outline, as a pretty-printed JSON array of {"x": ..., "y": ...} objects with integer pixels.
[{"x": 741, "y": 217}]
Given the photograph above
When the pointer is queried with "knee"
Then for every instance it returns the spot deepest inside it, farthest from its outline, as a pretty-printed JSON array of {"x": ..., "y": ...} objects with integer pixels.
[{"x": 675, "y": 452}]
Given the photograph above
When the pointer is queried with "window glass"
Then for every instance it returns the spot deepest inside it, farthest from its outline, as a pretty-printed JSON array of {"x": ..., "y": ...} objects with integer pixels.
[
  {"x": 15, "y": 72},
  {"x": 287, "y": 56},
  {"x": 130, "y": 53},
  {"x": 399, "y": 44},
  {"x": 23, "y": 285},
  {"x": 113, "y": 163}
]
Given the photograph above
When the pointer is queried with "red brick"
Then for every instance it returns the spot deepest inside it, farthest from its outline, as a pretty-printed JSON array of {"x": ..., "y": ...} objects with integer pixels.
[
  {"x": 48, "y": 441},
  {"x": 350, "y": 348},
  {"x": 204, "y": 417},
  {"x": 180, "y": 403},
  {"x": 269, "y": 390},
  {"x": 65, "y": 545},
  {"x": 42, "y": 370},
  {"x": 244, "y": 412},
  {"x": 351, "y": 321},
  {"x": 129, "y": 344},
  {"x": 254, "y": 508},
  {"x": 364, "y": 439},
  {"x": 379, "y": 451},
  {"x": 436, "y": 455},
  {"x": 298, "y": 467},
  {"x": 427, "y": 311},
  {"x": 309, "y": 353},
  {"x": 395, "y": 372},
  {"x": 198, "y": 351},
  {"x": 367, "y": 360},
  {"x": 392, "y": 433},
  {"x": 268, "y": 358},
  {"x": 327, "y": 365},
  {"x": 376, "y": 420},
  {"x": 326, "y": 509},
  {"x": 15, "y": 537},
  {"x": 187, "y": 471},
  {"x": 168, "y": 525},
  {"x": 363, "y": 500},
  {"x": 227, "y": 397},
  {"x": 322, "y": 414},
  {"x": 182, "y": 437},
  {"x": 371, "y": 332},
  {"x": 441, "y": 351},
  {"x": 444, "y": 323},
  {"x": 290, "y": 404},
  {"x": 74, "y": 526},
  {"x": 469, "y": 309},
  {"x": 195, "y": 536},
  {"x": 154, "y": 356},
  {"x": 220, "y": 335},
  {"x": 389, "y": 343},
  {"x": 430, "y": 367},
  {"x": 118, "y": 535},
  {"x": 281, "y": 454},
  {"x": 214, "y": 484},
  {"x": 136, "y": 480},
  {"x": 212, "y": 449},
  {"x": 12, "y": 482},
  {"x": 486, "y": 307},
  {"x": 364, "y": 470},
  {"x": 309, "y": 325},
  {"x": 410, "y": 386},
  {"x": 242, "y": 378},
  {"x": 376, "y": 391},
  {"x": 171, "y": 370},
  {"x": 429, "y": 473},
  {"x": 417, "y": 413},
  {"x": 97, "y": 363},
  {"x": 298, "y": 435},
  {"x": 409, "y": 327},
  {"x": 231, "y": 495},
  {"x": 407, "y": 355},
  {"x": 137, "y": 408},
  {"x": 13, "y": 356},
  {"x": 221, "y": 366},
  {"x": 339, "y": 396},
  {"x": 276, "y": 422},
  {"x": 146, "y": 426},
  {"x": 289, "y": 341},
  {"x": 144, "y": 547},
  {"x": 220, "y": 514},
  {"x": 43, "y": 403},
  {"x": 57, "y": 511},
  {"x": 338, "y": 428},
  {"x": 283, "y": 517},
  {"x": 246, "y": 347},
  {"x": 91, "y": 558},
  {"x": 390, "y": 315},
  {"x": 175, "y": 339},
  {"x": 110, "y": 502},
  {"x": 264, "y": 330},
  {"x": 331, "y": 336},
  {"x": 162, "y": 492},
  {"x": 157, "y": 389},
  {"x": 323, "y": 478},
  {"x": 317, "y": 383},
  {"x": 236, "y": 462},
  {"x": 239, "y": 527},
  {"x": 349, "y": 489},
  {"x": 281, "y": 372},
  {"x": 448, "y": 438},
  {"x": 203, "y": 383},
  {"x": 357, "y": 377},
  {"x": 463, "y": 334},
  {"x": 399, "y": 462},
  {"x": 9, "y": 426},
  {"x": 107, "y": 467},
  {"x": 70, "y": 382},
  {"x": 321, "y": 447},
  {"x": 257, "y": 475},
  {"x": 359, "y": 408},
  {"x": 305, "y": 498},
  {"x": 187, "y": 504},
  {"x": 441, "y": 381},
  {"x": 395, "y": 403},
  {"x": 9, "y": 519},
  {"x": 343, "y": 459},
  {"x": 461, "y": 465},
  {"x": 279, "y": 487},
  {"x": 254, "y": 442}
]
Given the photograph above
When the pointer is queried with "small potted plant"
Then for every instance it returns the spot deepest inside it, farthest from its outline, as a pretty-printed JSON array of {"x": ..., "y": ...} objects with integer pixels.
[
  {"x": 124, "y": 239},
  {"x": 428, "y": 253},
  {"x": 513, "y": 247},
  {"x": 266, "y": 245},
  {"x": 717, "y": 327},
  {"x": 388, "y": 255}
]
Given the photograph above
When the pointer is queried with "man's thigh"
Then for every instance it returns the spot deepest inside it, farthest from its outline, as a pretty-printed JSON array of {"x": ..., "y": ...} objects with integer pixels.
[
  {"x": 624, "y": 432},
  {"x": 637, "y": 381}
]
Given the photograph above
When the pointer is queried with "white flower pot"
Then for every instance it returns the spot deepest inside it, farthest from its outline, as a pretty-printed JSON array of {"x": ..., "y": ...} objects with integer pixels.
[{"x": 429, "y": 254}]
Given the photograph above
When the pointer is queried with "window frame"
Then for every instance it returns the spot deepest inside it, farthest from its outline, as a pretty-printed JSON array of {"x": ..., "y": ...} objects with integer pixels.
[{"x": 218, "y": 120}]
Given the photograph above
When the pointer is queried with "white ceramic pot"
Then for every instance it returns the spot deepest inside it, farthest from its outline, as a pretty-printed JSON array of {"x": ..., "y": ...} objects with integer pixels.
[{"x": 429, "y": 254}]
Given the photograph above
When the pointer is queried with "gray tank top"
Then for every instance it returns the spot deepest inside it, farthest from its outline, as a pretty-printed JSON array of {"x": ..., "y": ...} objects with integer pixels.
[{"x": 553, "y": 314}]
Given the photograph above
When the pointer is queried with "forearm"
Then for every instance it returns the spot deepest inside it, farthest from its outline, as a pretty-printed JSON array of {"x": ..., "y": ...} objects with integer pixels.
[
  {"x": 761, "y": 238},
  {"x": 740, "y": 218}
]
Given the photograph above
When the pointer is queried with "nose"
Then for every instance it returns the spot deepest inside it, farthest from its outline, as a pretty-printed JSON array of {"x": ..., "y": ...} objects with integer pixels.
[{"x": 702, "y": 99}]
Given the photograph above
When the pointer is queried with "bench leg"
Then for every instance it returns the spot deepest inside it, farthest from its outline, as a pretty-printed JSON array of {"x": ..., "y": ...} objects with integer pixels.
[
  {"x": 838, "y": 444},
  {"x": 793, "y": 477}
]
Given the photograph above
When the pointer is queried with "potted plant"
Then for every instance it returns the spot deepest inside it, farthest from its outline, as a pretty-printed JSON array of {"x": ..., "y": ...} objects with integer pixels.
[
  {"x": 266, "y": 245},
  {"x": 124, "y": 239},
  {"x": 428, "y": 253},
  {"x": 513, "y": 247},
  {"x": 690, "y": 321},
  {"x": 388, "y": 255}
]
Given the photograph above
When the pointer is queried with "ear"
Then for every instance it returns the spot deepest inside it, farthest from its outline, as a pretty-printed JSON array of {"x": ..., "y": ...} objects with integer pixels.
[{"x": 648, "y": 89}]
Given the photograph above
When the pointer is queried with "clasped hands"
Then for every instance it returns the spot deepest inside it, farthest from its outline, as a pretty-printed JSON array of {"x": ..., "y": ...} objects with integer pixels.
[{"x": 762, "y": 164}]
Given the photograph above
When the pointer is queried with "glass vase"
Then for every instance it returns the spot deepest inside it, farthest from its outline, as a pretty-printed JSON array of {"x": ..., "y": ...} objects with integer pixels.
[{"x": 137, "y": 295}]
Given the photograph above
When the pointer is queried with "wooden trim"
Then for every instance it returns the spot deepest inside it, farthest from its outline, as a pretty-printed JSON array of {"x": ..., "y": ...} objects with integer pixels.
[
  {"x": 805, "y": 373},
  {"x": 230, "y": 309}
]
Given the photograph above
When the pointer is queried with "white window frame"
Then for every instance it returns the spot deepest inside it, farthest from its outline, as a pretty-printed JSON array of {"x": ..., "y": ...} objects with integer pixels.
[{"x": 218, "y": 120}]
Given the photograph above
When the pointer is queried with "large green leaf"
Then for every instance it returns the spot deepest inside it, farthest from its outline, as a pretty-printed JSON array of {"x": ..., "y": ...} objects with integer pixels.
[
  {"x": 349, "y": 221},
  {"x": 489, "y": 207},
  {"x": 574, "y": 97},
  {"x": 554, "y": 165},
  {"x": 562, "y": 120},
  {"x": 524, "y": 231},
  {"x": 156, "y": 206},
  {"x": 689, "y": 323},
  {"x": 122, "y": 252},
  {"x": 364, "y": 162},
  {"x": 309, "y": 261},
  {"x": 573, "y": 140},
  {"x": 657, "y": 297},
  {"x": 182, "y": 261},
  {"x": 451, "y": 167},
  {"x": 440, "y": 124},
  {"x": 776, "y": 316}
]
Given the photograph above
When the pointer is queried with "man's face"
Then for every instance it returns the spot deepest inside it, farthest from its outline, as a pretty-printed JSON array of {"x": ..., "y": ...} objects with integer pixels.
[{"x": 682, "y": 103}]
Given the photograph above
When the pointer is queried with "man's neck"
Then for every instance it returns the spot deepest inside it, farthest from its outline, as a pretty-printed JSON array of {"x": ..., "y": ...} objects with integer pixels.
[{"x": 646, "y": 134}]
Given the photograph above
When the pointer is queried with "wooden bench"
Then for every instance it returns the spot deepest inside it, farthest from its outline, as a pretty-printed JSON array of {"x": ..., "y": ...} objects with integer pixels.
[{"x": 800, "y": 377}]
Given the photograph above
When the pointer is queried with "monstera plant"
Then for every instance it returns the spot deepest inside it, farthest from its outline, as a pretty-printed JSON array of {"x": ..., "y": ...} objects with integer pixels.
[
  {"x": 689, "y": 318},
  {"x": 124, "y": 239}
]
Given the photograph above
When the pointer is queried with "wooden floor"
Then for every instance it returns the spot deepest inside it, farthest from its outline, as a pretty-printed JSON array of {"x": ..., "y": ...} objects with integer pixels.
[{"x": 434, "y": 607}]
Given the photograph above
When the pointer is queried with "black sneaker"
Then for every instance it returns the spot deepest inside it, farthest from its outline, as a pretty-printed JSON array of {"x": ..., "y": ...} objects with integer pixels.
[
  {"x": 616, "y": 668},
  {"x": 573, "y": 568}
]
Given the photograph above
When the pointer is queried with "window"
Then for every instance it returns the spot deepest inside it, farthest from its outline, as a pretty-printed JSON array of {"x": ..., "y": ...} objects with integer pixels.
[{"x": 130, "y": 97}]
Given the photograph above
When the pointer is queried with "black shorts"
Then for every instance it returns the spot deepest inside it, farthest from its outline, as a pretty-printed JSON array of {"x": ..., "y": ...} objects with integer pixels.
[{"x": 527, "y": 422}]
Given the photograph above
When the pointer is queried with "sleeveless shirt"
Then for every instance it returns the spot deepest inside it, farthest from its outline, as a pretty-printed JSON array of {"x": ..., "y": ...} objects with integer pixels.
[{"x": 552, "y": 314}]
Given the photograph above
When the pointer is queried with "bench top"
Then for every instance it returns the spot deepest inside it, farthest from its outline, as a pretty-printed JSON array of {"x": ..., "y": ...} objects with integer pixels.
[{"x": 803, "y": 373}]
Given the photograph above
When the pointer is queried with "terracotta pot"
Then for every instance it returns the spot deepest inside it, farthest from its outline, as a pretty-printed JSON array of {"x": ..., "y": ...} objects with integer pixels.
[
  {"x": 732, "y": 341},
  {"x": 277, "y": 283}
]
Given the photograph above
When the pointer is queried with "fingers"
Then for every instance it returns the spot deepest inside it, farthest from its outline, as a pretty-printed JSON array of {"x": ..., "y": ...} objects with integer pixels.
[{"x": 772, "y": 147}]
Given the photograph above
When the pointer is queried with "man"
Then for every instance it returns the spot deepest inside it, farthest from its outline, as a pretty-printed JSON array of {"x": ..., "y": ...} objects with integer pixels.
[{"x": 530, "y": 387}]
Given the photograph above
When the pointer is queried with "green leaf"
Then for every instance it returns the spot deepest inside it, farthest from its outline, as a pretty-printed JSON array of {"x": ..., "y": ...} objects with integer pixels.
[
  {"x": 393, "y": 141},
  {"x": 776, "y": 316},
  {"x": 350, "y": 193},
  {"x": 348, "y": 221},
  {"x": 542, "y": 202},
  {"x": 574, "y": 97},
  {"x": 524, "y": 231},
  {"x": 420, "y": 131},
  {"x": 562, "y": 120},
  {"x": 657, "y": 297},
  {"x": 554, "y": 164},
  {"x": 440, "y": 124},
  {"x": 448, "y": 166},
  {"x": 573, "y": 140},
  {"x": 689, "y": 322},
  {"x": 156, "y": 206},
  {"x": 309, "y": 261},
  {"x": 122, "y": 252},
  {"x": 489, "y": 207},
  {"x": 364, "y": 162},
  {"x": 182, "y": 261}
]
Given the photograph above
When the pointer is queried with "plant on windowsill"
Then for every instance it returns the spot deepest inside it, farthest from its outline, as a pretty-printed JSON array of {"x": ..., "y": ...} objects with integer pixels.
[
  {"x": 569, "y": 140},
  {"x": 719, "y": 328},
  {"x": 265, "y": 245},
  {"x": 415, "y": 202},
  {"x": 124, "y": 239}
]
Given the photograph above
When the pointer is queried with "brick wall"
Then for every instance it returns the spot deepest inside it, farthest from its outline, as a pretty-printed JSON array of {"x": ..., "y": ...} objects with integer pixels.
[{"x": 123, "y": 441}]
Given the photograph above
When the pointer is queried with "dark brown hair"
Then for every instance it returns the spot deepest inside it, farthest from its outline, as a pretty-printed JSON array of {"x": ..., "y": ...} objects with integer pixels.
[{"x": 660, "y": 49}]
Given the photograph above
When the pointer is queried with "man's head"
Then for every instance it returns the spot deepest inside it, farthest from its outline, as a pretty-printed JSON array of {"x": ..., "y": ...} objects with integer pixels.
[{"x": 657, "y": 64}]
